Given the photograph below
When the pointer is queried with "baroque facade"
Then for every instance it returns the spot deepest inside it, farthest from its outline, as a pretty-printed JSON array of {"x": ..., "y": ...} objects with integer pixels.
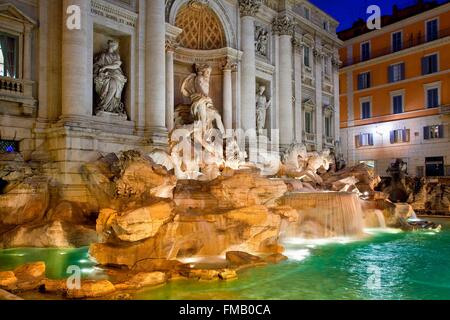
[{"x": 49, "y": 96}]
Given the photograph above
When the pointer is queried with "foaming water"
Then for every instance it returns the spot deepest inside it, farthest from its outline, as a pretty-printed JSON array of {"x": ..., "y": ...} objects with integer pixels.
[{"x": 324, "y": 215}]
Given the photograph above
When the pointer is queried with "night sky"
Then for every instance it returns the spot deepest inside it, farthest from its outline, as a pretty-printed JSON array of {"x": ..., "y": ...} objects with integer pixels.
[{"x": 348, "y": 11}]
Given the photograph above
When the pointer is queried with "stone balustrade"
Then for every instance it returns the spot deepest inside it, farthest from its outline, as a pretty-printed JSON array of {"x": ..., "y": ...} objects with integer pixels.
[{"x": 18, "y": 91}]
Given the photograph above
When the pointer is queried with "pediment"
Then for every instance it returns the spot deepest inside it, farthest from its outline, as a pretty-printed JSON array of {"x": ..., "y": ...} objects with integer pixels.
[
  {"x": 11, "y": 11},
  {"x": 309, "y": 104}
]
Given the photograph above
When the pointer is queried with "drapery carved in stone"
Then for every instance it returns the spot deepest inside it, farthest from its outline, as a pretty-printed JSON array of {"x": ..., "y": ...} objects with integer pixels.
[
  {"x": 202, "y": 29},
  {"x": 249, "y": 7},
  {"x": 261, "y": 41}
]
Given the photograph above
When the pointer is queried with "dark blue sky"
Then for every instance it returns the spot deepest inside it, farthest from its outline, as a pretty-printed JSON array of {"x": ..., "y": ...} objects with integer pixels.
[{"x": 348, "y": 11}]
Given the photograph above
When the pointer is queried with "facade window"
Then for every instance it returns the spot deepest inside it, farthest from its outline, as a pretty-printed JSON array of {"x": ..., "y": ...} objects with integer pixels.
[
  {"x": 430, "y": 64},
  {"x": 432, "y": 30},
  {"x": 306, "y": 12},
  {"x": 8, "y": 55},
  {"x": 366, "y": 110},
  {"x": 397, "y": 41},
  {"x": 308, "y": 122},
  {"x": 396, "y": 72},
  {"x": 364, "y": 139},
  {"x": 306, "y": 56},
  {"x": 365, "y": 51},
  {"x": 432, "y": 97},
  {"x": 328, "y": 126},
  {"x": 400, "y": 136},
  {"x": 9, "y": 146},
  {"x": 397, "y": 104},
  {"x": 327, "y": 66},
  {"x": 364, "y": 80},
  {"x": 433, "y": 132},
  {"x": 326, "y": 25}
]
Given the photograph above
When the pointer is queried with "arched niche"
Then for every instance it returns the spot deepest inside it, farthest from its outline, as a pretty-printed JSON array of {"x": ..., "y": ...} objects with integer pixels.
[{"x": 216, "y": 7}]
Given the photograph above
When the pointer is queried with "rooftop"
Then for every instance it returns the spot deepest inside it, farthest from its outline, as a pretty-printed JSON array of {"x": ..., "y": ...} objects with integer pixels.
[{"x": 398, "y": 14}]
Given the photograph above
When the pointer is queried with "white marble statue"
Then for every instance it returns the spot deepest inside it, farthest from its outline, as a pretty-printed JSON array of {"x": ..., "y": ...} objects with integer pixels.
[
  {"x": 196, "y": 87},
  {"x": 262, "y": 104},
  {"x": 109, "y": 81},
  {"x": 261, "y": 41}
]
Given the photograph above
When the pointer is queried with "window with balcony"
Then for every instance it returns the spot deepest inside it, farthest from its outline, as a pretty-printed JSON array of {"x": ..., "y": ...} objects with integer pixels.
[
  {"x": 400, "y": 136},
  {"x": 8, "y": 55},
  {"x": 432, "y": 97},
  {"x": 366, "y": 112},
  {"x": 364, "y": 140},
  {"x": 432, "y": 30},
  {"x": 397, "y": 103},
  {"x": 365, "y": 51},
  {"x": 397, "y": 41},
  {"x": 364, "y": 80},
  {"x": 430, "y": 64},
  {"x": 433, "y": 132},
  {"x": 396, "y": 72}
]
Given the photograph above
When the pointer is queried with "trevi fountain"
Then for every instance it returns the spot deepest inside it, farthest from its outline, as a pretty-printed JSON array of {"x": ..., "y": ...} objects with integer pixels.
[{"x": 215, "y": 216}]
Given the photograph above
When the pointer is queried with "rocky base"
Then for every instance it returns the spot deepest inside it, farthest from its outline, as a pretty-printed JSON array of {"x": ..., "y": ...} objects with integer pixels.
[{"x": 121, "y": 284}]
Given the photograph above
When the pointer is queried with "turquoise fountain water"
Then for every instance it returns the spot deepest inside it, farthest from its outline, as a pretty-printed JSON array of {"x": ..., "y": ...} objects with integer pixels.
[{"x": 412, "y": 265}]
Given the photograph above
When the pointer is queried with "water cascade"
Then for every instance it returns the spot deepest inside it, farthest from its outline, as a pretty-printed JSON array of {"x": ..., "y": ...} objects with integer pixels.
[{"x": 325, "y": 215}]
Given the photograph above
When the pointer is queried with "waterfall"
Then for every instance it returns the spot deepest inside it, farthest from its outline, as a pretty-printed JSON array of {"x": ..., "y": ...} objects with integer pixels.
[
  {"x": 325, "y": 215},
  {"x": 380, "y": 216}
]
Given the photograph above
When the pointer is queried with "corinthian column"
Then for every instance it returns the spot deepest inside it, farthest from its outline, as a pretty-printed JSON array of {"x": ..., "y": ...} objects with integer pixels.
[
  {"x": 284, "y": 28},
  {"x": 155, "y": 72},
  {"x": 248, "y": 10},
  {"x": 77, "y": 70},
  {"x": 170, "y": 94},
  {"x": 227, "y": 95}
]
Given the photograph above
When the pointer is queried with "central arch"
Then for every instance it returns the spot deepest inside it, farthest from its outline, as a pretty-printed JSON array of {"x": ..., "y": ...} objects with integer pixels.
[
  {"x": 216, "y": 7},
  {"x": 202, "y": 29}
]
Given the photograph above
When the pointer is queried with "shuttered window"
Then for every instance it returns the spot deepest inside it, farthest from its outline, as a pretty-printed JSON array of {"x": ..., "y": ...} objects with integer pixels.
[
  {"x": 365, "y": 110},
  {"x": 432, "y": 30},
  {"x": 396, "y": 41},
  {"x": 365, "y": 51},
  {"x": 433, "y": 132},
  {"x": 397, "y": 104},
  {"x": 430, "y": 64},
  {"x": 396, "y": 72},
  {"x": 364, "y": 80},
  {"x": 364, "y": 139},
  {"x": 433, "y": 98},
  {"x": 400, "y": 136}
]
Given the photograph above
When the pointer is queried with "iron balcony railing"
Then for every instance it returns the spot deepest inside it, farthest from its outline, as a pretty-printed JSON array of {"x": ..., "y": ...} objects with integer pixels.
[{"x": 412, "y": 40}]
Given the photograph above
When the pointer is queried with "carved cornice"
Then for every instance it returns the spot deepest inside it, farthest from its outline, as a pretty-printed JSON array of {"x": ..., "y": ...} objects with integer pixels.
[
  {"x": 114, "y": 13},
  {"x": 283, "y": 26},
  {"x": 249, "y": 7},
  {"x": 309, "y": 105}
]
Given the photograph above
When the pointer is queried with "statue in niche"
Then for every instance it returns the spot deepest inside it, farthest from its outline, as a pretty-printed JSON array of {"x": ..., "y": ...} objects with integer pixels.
[
  {"x": 262, "y": 38},
  {"x": 109, "y": 81},
  {"x": 262, "y": 104},
  {"x": 196, "y": 87}
]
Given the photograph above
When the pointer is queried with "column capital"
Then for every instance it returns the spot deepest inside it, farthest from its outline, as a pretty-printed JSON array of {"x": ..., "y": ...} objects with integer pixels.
[
  {"x": 171, "y": 44},
  {"x": 229, "y": 64},
  {"x": 283, "y": 26},
  {"x": 249, "y": 7}
]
